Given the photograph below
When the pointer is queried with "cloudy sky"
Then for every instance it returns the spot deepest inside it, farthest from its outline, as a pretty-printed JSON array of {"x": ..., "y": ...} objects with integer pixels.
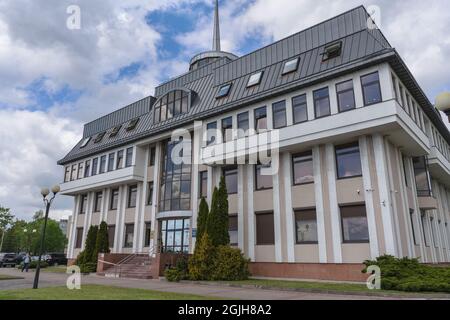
[{"x": 53, "y": 79}]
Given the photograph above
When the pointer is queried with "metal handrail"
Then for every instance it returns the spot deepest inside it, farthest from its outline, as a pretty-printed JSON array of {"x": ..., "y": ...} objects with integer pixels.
[{"x": 129, "y": 257}]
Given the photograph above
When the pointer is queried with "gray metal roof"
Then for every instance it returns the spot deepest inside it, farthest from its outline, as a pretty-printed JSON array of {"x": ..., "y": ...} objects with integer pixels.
[{"x": 361, "y": 47}]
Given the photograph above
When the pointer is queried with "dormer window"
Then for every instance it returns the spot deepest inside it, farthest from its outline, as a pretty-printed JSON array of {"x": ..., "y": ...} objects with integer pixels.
[
  {"x": 115, "y": 131},
  {"x": 224, "y": 91},
  {"x": 132, "y": 125},
  {"x": 255, "y": 79},
  {"x": 171, "y": 105},
  {"x": 99, "y": 137},
  {"x": 291, "y": 66},
  {"x": 332, "y": 51},
  {"x": 85, "y": 142}
]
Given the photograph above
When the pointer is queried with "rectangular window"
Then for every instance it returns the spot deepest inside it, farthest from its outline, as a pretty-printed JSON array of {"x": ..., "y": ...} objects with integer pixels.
[
  {"x": 83, "y": 203},
  {"x": 211, "y": 132},
  {"x": 148, "y": 234},
  {"x": 111, "y": 235},
  {"x": 262, "y": 182},
  {"x": 85, "y": 142},
  {"x": 152, "y": 156},
  {"x": 94, "y": 166},
  {"x": 306, "y": 226},
  {"x": 150, "y": 194},
  {"x": 231, "y": 179},
  {"x": 67, "y": 174},
  {"x": 98, "y": 201},
  {"x": 174, "y": 235},
  {"x": 354, "y": 224},
  {"x": 102, "y": 164},
  {"x": 203, "y": 184},
  {"x": 300, "y": 109},
  {"x": 255, "y": 79},
  {"x": 425, "y": 234},
  {"x": 321, "y": 103},
  {"x": 119, "y": 159},
  {"x": 302, "y": 165},
  {"x": 111, "y": 161},
  {"x": 279, "y": 114},
  {"x": 345, "y": 96},
  {"x": 413, "y": 230},
  {"x": 332, "y": 51},
  {"x": 73, "y": 174},
  {"x": 260, "y": 119},
  {"x": 371, "y": 88},
  {"x": 114, "y": 199},
  {"x": 79, "y": 238},
  {"x": 265, "y": 234},
  {"x": 394, "y": 88},
  {"x": 80, "y": 170},
  {"x": 227, "y": 129},
  {"x": 129, "y": 157},
  {"x": 243, "y": 124},
  {"x": 348, "y": 161},
  {"x": 129, "y": 234},
  {"x": 233, "y": 229},
  {"x": 291, "y": 66},
  {"x": 422, "y": 177},
  {"x": 87, "y": 169},
  {"x": 132, "y": 194}
]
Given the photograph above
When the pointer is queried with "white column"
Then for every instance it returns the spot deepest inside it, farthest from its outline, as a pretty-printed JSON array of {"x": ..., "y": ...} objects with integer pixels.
[
  {"x": 73, "y": 227},
  {"x": 406, "y": 212},
  {"x": 196, "y": 143},
  {"x": 443, "y": 230},
  {"x": 277, "y": 210},
  {"x": 138, "y": 212},
  {"x": 87, "y": 219},
  {"x": 209, "y": 188},
  {"x": 368, "y": 195},
  {"x": 290, "y": 228},
  {"x": 395, "y": 212},
  {"x": 241, "y": 210},
  {"x": 142, "y": 203},
  {"x": 156, "y": 190},
  {"x": 122, "y": 209},
  {"x": 430, "y": 236},
  {"x": 251, "y": 212},
  {"x": 107, "y": 197},
  {"x": 384, "y": 190},
  {"x": 417, "y": 212},
  {"x": 319, "y": 205},
  {"x": 116, "y": 247},
  {"x": 334, "y": 207}
]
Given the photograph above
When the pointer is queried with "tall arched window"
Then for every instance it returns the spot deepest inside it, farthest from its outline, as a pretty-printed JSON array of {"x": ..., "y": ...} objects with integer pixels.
[{"x": 171, "y": 105}]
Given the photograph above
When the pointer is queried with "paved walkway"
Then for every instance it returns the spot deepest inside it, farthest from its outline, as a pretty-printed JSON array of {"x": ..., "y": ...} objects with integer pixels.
[{"x": 48, "y": 279}]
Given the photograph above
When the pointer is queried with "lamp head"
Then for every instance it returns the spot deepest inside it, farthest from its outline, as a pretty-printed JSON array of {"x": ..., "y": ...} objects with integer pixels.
[
  {"x": 45, "y": 192},
  {"x": 56, "y": 189}
]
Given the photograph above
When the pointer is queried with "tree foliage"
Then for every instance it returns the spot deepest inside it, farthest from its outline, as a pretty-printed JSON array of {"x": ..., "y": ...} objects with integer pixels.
[
  {"x": 202, "y": 218},
  {"x": 102, "y": 242},
  {"x": 201, "y": 262},
  {"x": 218, "y": 217}
]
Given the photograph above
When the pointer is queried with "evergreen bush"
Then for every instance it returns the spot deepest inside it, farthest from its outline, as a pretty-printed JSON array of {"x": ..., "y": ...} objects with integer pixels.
[{"x": 229, "y": 265}]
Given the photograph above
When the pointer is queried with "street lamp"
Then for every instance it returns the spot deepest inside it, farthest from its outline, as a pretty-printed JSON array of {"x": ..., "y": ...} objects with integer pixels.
[{"x": 44, "y": 192}]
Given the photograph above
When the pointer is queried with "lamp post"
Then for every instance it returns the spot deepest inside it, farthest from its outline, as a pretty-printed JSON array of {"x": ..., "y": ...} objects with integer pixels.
[{"x": 44, "y": 192}]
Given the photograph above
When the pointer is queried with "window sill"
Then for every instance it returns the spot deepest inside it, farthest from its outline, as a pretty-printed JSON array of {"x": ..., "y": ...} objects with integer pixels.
[
  {"x": 355, "y": 242},
  {"x": 302, "y": 184},
  {"x": 350, "y": 177},
  {"x": 263, "y": 189},
  {"x": 306, "y": 242}
]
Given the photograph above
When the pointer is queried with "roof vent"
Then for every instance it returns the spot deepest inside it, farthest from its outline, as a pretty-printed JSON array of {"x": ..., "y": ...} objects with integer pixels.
[
  {"x": 132, "y": 125},
  {"x": 115, "y": 131},
  {"x": 99, "y": 137}
]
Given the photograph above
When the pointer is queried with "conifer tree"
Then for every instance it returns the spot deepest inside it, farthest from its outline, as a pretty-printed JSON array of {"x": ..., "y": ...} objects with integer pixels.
[
  {"x": 102, "y": 242},
  {"x": 202, "y": 218}
]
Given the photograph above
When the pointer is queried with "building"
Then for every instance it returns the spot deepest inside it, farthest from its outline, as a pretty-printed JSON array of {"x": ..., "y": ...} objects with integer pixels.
[{"x": 364, "y": 157}]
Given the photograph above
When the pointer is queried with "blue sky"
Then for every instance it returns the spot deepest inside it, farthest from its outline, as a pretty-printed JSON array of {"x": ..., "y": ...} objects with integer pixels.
[{"x": 52, "y": 79}]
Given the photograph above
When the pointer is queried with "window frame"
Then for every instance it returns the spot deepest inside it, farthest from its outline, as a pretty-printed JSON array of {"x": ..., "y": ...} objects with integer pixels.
[
  {"x": 297, "y": 63},
  {"x": 97, "y": 205},
  {"x": 302, "y": 154},
  {"x": 345, "y": 91},
  {"x": 257, "y": 82},
  {"x": 83, "y": 204},
  {"x": 294, "y": 106},
  {"x": 342, "y": 224},
  {"x": 226, "y": 92},
  {"x": 200, "y": 185},
  {"x": 226, "y": 171},
  {"x": 102, "y": 164},
  {"x": 344, "y": 146},
  {"x": 315, "y": 100},
  {"x": 126, "y": 233},
  {"x": 111, "y": 201},
  {"x": 120, "y": 158},
  {"x": 150, "y": 191},
  {"x": 259, "y": 214},
  {"x": 256, "y": 119},
  {"x": 226, "y": 126},
  {"x": 305, "y": 210},
  {"x": 147, "y": 234},
  {"x": 256, "y": 180},
  {"x": 111, "y": 161},
  {"x": 131, "y": 190},
  {"x": 212, "y": 141},
  {"x": 328, "y": 55},
  {"x": 79, "y": 238},
  {"x": 240, "y": 121},
  {"x": 283, "y": 111},
  {"x": 129, "y": 153},
  {"x": 368, "y": 84}
]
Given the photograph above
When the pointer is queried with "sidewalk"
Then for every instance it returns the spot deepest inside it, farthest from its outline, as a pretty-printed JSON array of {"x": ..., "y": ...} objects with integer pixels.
[{"x": 58, "y": 279}]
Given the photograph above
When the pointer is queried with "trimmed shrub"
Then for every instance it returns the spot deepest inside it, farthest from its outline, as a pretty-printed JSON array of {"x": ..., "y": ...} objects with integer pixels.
[
  {"x": 410, "y": 275},
  {"x": 173, "y": 275},
  {"x": 229, "y": 265},
  {"x": 88, "y": 267},
  {"x": 180, "y": 272}
]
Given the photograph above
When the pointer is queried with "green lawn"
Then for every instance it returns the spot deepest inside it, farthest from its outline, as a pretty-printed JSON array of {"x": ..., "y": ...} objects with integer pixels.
[
  {"x": 94, "y": 292},
  {"x": 5, "y": 277},
  {"x": 325, "y": 287}
]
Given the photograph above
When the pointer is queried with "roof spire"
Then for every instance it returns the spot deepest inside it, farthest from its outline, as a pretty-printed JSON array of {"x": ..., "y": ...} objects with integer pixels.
[{"x": 216, "y": 36}]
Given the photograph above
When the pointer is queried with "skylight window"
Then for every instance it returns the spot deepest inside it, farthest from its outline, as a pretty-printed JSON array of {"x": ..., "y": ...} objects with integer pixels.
[
  {"x": 224, "y": 91},
  {"x": 255, "y": 79},
  {"x": 291, "y": 66},
  {"x": 85, "y": 142},
  {"x": 332, "y": 51},
  {"x": 99, "y": 137},
  {"x": 132, "y": 125},
  {"x": 115, "y": 131}
]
